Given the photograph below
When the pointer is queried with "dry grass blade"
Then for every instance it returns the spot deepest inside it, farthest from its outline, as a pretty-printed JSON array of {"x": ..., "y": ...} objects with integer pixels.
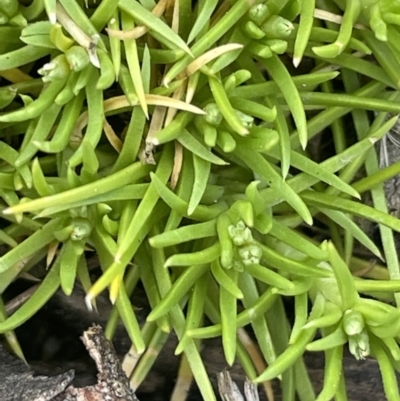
[
  {"x": 211, "y": 55},
  {"x": 112, "y": 137},
  {"x": 140, "y": 30}
]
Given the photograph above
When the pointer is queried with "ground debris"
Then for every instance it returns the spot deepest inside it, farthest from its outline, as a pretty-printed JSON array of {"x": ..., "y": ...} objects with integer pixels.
[
  {"x": 17, "y": 382},
  {"x": 229, "y": 391}
]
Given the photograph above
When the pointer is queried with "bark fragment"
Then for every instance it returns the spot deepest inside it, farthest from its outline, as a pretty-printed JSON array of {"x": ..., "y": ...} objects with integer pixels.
[{"x": 17, "y": 382}]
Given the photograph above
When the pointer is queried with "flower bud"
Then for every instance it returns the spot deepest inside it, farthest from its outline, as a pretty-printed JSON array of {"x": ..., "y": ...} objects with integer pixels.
[
  {"x": 359, "y": 345},
  {"x": 57, "y": 69},
  {"x": 277, "y": 27},
  {"x": 259, "y": 13},
  {"x": 240, "y": 234},
  {"x": 213, "y": 115},
  {"x": 81, "y": 229},
  {"x": 77, "y": 58},
  {"x": 250, "y": 254},
  {"x": 353, "y": 322}
]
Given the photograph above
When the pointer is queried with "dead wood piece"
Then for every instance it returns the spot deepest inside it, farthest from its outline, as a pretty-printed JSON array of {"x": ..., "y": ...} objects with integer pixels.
[
  {"x": 229, "y": 391},
  {"x": 17, "y": 382}
]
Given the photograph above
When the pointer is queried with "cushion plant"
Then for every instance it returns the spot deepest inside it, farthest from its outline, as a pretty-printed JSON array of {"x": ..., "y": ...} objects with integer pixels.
[{"x": 171, "y": 140}]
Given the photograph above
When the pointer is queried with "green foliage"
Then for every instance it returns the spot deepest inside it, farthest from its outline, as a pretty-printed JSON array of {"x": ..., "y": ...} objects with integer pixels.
[{"x": 172, "y": 142}]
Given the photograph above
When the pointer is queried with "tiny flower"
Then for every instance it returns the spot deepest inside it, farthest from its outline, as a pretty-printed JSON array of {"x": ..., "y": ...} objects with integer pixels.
[
  {"x": 77, "y": 57},
  {"x": 213, "y": 115},
  {"x": 240, "y": 234},
  {"x": 359, "y": 345},
  {"x": 81, "y": 229},
  {"x": 250, "y": 254},
  {"x": 353, "y": 323},
  {"x": 277, "y": 27},
  {"x": 259, "y": 13},
  {"x": 57, "y": 69}
]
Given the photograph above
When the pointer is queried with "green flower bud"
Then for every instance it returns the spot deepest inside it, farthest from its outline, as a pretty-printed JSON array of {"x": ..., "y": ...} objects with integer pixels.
[
  {"x": 77, "y": 58},
  {"x": 250, "y": 254},
  {"x": 259, "y": 13},
  {"x": 213, "y": 115},
  {"x": 81, "y": 229},
  {"x": 57, "y": 69},
  {"x": 353, "y": 322},
  {"x": 359, "y": 345},
  {"x": 277, "y": 27},
  {"x": 241, "y": 234}
]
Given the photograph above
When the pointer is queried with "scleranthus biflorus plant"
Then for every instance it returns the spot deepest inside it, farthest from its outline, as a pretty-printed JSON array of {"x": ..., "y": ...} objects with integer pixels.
[{"x": 170, "y": 139}]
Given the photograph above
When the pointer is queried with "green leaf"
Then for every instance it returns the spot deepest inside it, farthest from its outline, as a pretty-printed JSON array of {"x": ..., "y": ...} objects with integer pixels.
[
  {"x": 297, "y": 241},
  {"x": 38, "y": 299},
  {"x": 344, "y": 279},
  {"x": 189, "y": 142},
  {"x": 163, "y": 32},
  {"x": 202, "y": 169},
  {"x": 256, "y": 162},
  {"x": 201, "y": 213},
  {"x": 206, "y": 9},
  {"x": 308, "y": 166},
  {"x": 348, "y": 224},
  {"x": 347, "y": 206}
]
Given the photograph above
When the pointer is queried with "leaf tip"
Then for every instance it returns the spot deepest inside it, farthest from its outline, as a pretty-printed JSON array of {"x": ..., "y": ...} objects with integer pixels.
[
  {"x": 88, "y": 301},
  {"x": 151, "y": 317},
  {"x": 308, "y": 219},
  {"x": 296, "y": 61},
  {"x": 52, "y": 18},
  {"x": 113, "y": 297}
]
